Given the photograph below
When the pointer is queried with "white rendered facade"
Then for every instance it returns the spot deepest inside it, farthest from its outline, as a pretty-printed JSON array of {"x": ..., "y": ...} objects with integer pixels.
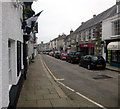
[{"x": 11, "y": 33}]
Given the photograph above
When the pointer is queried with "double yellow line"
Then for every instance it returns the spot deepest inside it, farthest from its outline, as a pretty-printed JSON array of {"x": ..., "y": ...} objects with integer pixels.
[{"x": 48, "y": 69}]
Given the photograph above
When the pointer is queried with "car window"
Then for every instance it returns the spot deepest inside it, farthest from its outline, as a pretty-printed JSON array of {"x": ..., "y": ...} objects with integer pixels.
[
  {"x": 77, "y": 53},
  {"x": 95, "y": 58},
  {"x": 85, "y": 57},
  {"x": 65, "y": 54}
]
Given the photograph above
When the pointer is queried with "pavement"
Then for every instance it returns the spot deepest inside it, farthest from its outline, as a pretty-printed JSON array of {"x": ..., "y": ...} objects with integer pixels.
[
  {"x": 40, "y": 90},
  {"x": 109, "y": 67}
]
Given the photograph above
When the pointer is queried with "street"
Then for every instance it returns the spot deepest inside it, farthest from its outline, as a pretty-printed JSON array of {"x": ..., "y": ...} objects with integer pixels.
[{"x": 91, "y": 87}]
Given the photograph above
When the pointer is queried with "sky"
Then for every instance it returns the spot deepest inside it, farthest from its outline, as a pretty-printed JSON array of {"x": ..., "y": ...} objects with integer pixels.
[{"x": 61, "y": 16}]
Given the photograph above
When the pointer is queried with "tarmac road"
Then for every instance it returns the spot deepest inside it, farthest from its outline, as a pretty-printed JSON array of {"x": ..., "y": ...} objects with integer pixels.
[{"x": 99, "y": 86}]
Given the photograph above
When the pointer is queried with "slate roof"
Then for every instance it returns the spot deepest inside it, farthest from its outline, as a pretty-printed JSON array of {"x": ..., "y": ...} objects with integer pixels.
[
  {"x": 66, "y": 38},
  {"x": 99, "y": 18},
  {"x": 61, "y": 37}
]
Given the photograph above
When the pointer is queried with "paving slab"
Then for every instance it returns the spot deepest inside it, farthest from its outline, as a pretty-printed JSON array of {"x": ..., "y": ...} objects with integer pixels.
[
  {"x": 40, "y": 90},
  {"x": 44, "y": 103}
]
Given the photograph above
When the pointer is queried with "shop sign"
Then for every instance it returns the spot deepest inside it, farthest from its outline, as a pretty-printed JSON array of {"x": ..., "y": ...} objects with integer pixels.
[{"x": 87, "y": 45}]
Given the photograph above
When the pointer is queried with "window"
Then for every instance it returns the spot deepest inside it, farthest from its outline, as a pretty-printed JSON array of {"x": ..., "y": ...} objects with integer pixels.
[
  {"x": 87, "y": 35},
  {"x": 77, "y": 38},
  {"x": 82, "y": 36},
  {"x": 9, "y": 55},
  {"x": 118, "y": 8},
  {"x": 116, "y": 27},
  {"x": 114, "y": 55},
  {"x": 18, "y": 57},
  {"x": 92, "y": 31},
  {"x": 119, "y": 56}
]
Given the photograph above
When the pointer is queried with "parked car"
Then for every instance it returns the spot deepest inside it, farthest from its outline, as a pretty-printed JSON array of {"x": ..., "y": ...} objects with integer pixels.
[
  {"x": 57, "y": 54},
  {"x": 63, "y": 56},
  {"x": 74, "y": 57},
  {"x": 91, "y": 62},
  {"x": 51, "y": 53}
]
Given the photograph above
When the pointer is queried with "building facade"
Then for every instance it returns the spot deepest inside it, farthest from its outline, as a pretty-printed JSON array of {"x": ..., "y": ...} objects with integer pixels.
[
  {"x": 12, "y": 51},
  {"x": 111, "y": 37},
  {"x": 88, "y": 37},
  {"x": 60, "y": 42},
  {"x": 67, "y": 46}
]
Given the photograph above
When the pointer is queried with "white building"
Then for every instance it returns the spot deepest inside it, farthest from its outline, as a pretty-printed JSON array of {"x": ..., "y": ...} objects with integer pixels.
[
  {"x": 11, "y": 49},
  {"x": 111, "y": 36},
  {"x": 30, "y": 49}
]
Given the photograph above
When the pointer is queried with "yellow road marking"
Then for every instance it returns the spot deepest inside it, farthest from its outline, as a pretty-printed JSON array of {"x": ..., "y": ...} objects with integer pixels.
[{"x": 49, "y": 71}]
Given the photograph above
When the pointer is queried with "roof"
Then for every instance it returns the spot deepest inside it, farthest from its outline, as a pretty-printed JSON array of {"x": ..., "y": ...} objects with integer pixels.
[
  {"x": 99, "y": 18},
  {"x": 61, "y": 37},
  {"x": 66, "y": 38}
]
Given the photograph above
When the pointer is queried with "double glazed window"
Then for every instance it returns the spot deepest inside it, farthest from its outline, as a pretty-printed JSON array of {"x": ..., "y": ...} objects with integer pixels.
[
  {"x": 87, "y": 35},
  {"x": 18, "y": 57},
  {"x": 82, "y": 36},
  {"x": 116, "y": 27}
]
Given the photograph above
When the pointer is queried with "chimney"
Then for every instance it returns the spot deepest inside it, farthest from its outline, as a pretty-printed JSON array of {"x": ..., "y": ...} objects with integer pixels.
[
  {"x": 41, "y": 42},
  {"x": 117, "y": 1},
  {"x": 82, "y": 23},
  {"x": 71, "y": 31},
  {"x": 94, "y": 15}
]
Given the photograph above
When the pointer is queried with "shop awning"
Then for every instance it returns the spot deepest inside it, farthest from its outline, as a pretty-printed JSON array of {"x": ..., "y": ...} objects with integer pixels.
[{"x": 114, "y": 45}]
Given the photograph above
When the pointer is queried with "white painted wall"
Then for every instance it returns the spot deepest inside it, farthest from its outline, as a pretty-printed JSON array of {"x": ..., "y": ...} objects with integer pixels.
[
  {"x": 0, "y": 55},
  {"x": 106, "y": 32},
  {"x": 106, "y": 29},
  {"x": 11, "y": 30}
]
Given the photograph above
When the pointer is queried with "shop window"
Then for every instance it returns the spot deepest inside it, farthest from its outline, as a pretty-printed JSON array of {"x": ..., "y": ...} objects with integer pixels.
[
  {"x": 119, "y": 56},
  {"x": 18, "y": 57},
  {"x": 114, "y": 55},
  {"x": 92, "y": 50},
  {"x": 109, "y": 56}
]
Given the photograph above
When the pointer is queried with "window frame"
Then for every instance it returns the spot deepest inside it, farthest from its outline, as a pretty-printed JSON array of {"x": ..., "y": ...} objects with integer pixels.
[{"x": 18, "y": 57}]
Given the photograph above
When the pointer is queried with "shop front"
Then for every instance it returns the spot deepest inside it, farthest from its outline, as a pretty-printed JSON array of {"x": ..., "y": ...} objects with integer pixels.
[
  {"x": 114, "y": 53},
  {"x": 87, "y": 48}
]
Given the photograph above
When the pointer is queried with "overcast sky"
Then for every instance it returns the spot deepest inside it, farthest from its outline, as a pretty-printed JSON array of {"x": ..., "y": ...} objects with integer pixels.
[{"x": 60, "y": 16}]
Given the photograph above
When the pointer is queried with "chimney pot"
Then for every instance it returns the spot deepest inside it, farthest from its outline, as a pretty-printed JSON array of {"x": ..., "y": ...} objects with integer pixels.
[
  {"x": 94, "y": 15},
  {"x": 82, "y": 23}
]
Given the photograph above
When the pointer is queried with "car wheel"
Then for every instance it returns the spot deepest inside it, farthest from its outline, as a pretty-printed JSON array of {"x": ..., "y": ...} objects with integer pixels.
[{"x": 89, "y": 67}]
